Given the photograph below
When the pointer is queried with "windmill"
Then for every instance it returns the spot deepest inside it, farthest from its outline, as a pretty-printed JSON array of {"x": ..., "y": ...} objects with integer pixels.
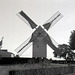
[{"x": 39, "y": 38}]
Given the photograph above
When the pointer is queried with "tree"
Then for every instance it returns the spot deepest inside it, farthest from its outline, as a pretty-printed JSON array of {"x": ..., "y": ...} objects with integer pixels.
[
  {"x": 72, "y": 40},
  {"x": 1, "y": 43},
  {"x": 65, "y": 52}
]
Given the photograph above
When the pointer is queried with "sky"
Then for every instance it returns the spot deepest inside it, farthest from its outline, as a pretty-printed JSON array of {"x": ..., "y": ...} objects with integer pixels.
[{"x": 15, "y": 31}]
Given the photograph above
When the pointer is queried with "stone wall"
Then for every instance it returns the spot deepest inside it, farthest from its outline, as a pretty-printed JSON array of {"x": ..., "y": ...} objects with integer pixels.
[
  {"x": 35, "y": 69},
  {"x": 43, "y": 71}
]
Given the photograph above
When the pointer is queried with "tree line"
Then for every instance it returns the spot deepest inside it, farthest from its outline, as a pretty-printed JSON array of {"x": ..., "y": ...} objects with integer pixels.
[{"x": 67, "y": 51}]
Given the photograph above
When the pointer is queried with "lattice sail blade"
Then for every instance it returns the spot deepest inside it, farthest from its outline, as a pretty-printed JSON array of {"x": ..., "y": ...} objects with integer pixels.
[
  {"x": 23, "y": 47},
  {"x": 51, "y": 43},
  {"x": 26, "y": 19},
  {"x": 53, "y": 20},
  {"x": 54, "y": 42}
]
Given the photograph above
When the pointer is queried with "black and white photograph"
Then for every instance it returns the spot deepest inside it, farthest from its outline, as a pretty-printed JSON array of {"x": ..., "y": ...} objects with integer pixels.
[{"x": 37, "y": 37}]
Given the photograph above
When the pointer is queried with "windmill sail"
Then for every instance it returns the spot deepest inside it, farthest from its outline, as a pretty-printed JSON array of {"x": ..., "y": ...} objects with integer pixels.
[
  {"x": 54, "y": 42},
  {"x": 26, "y": 19},
  {"x": 49, "y": 41},
  {"x": 24, "y": 46},
  {"x": 53, "y": 20}
]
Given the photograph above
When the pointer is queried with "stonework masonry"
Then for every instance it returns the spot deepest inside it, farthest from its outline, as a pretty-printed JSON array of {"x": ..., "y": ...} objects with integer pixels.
[{"x": 46, "y": 70}]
